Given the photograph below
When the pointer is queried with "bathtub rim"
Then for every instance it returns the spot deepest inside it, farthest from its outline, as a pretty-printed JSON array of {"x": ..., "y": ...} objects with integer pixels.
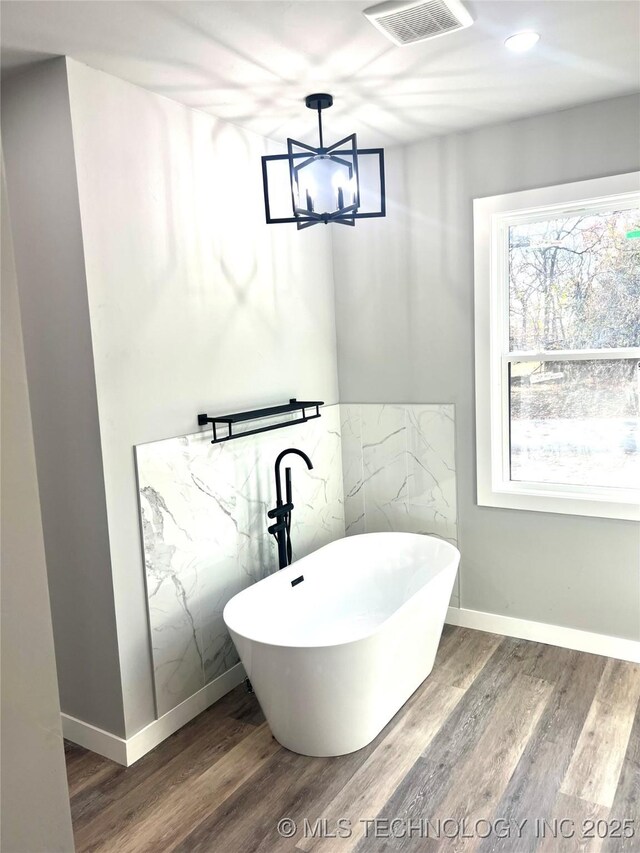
[{"x": 452, "y": 561}]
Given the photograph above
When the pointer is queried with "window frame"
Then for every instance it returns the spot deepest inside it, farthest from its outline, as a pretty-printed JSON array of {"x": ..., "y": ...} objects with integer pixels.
[{"x": 492, "y": 217}]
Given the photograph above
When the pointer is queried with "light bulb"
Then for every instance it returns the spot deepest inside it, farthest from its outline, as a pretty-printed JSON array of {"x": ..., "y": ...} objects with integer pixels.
[
  {"x": 342, "y": 181},
  {"x": 321, "y": 181}
]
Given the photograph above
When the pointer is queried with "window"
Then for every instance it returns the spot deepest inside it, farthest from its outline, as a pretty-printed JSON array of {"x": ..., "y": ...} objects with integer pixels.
[{"x": 557, "y": 293}]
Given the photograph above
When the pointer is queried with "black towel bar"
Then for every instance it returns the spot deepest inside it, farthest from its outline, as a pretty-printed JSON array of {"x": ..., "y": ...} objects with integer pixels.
[{"x": 256, "y": 414}]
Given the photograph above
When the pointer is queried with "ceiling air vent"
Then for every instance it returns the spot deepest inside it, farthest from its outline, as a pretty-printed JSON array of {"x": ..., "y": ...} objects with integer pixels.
[{"x": 409, "y": 22}]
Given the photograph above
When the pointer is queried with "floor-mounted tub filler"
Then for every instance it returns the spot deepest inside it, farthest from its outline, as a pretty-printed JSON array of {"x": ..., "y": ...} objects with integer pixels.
[{"x": 336, "y": 643}]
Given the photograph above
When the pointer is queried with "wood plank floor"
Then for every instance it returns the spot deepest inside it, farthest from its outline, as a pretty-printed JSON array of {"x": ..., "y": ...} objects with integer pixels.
[{"x": 507, "y": 746}]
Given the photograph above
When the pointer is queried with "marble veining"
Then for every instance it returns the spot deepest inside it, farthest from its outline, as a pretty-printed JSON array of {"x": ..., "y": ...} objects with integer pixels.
[
  {"x": 204, "y": 521},
  {"x": 203, "y": 511},
  {"x": 399, "y": 469}
]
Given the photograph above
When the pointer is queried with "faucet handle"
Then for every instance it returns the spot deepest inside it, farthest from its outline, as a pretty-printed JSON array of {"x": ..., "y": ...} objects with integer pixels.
[{"x": 280, "y": 510}]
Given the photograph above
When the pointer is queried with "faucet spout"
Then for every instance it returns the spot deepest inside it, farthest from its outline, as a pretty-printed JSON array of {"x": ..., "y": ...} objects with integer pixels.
[
  {"x": 281, "y": 529},
  {"x": 279, "y": 459}
]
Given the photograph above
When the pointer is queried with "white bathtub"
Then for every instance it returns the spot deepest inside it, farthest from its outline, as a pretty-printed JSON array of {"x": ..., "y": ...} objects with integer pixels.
[{"x": 332, "y": 657}]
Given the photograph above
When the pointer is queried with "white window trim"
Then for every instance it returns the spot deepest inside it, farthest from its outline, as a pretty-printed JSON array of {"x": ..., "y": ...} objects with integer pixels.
[{"x": 493, "y": 486}]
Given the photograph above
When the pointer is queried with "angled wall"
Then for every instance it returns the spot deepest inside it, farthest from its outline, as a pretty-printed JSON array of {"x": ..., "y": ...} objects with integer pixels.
[
  {"x": 45, "y": 219},
  {"x": 33, "y": 787},
  {"x": 152, "y": 289}
]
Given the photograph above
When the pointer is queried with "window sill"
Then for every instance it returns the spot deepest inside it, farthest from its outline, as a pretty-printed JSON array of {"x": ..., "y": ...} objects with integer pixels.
[{"x": 532, "y": 498}]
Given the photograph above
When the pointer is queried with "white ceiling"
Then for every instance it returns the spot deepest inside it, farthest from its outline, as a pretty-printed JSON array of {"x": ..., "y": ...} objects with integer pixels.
[{"x": 253, "y": 62}]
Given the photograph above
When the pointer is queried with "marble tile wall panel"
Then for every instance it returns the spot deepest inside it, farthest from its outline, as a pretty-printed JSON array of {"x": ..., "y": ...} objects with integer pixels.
[
  {"x": 203, "y": 514},
  {"x": 399, "y": 469}
]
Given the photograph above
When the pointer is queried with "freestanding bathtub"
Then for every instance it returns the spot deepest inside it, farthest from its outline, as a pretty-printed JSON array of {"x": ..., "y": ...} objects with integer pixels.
[{"x": 336, "y": 643}]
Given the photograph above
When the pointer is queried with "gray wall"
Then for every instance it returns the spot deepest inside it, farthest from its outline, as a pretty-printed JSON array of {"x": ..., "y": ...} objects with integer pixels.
[
  {"x": 152, "y": 289},
  {"x": 404, "y": 313},
  {"x": 35, "y": 801},
  {"x": 45, "y": 218}
]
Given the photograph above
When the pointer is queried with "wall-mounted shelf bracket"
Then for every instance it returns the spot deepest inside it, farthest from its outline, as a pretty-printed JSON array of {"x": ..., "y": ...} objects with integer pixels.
[{"x": 227, "y": 422}]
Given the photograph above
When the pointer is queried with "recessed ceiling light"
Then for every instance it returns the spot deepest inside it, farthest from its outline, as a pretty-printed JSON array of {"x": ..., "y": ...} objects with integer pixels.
[{"x": 521, "y": 42}]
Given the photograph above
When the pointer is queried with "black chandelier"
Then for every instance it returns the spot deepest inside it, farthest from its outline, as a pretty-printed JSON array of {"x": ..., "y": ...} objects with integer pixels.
[{"x": 334, "y": 183}]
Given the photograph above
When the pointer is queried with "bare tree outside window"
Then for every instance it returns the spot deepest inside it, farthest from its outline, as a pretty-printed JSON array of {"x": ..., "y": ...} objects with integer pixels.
[{"x": 574, "y": 287}]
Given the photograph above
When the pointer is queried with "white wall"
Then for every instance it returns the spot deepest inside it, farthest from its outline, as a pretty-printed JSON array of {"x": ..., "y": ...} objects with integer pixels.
[
  {"x": 35, "y": 800},
  {"x": 404, "y": 307},
  {"x": 195, "y": 303}
]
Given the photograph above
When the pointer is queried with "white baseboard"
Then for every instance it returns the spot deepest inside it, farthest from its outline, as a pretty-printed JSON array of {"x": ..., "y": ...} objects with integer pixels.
[
  {"x": 541, "y": 632},
  {"x": 126, "y": 751},
  {"x": 95, "y": 739}
]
